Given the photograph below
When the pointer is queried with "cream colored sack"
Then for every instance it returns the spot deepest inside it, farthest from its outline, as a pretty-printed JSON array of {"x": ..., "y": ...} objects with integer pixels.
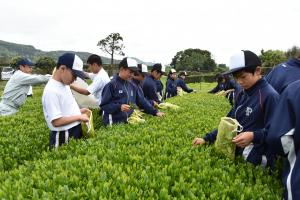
[
  {"x": 88, "y": 127},
  {"x": 83, "y": 100},
  {"x": 227, "y": 130}
]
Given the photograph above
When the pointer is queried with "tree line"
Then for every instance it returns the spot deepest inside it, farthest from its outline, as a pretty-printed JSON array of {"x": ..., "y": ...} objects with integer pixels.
[{"x": 188, "y": 59}]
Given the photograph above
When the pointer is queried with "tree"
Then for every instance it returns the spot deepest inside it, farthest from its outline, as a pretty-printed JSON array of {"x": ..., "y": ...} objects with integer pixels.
[
  {"x": 222, "y": 68},
  {"x": 193, "y": 60},
  {"x": 4, "y": 58},
  {"x": 271, "y": 58},
  {"x": 112, "y": 44},
  {"x": 46, "y": 64},
  {"x": 14, "y": 61},
  {"x": 293, "y": 52}
]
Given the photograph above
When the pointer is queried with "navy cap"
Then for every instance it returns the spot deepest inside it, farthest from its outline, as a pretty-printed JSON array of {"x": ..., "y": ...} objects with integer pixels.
[
  {"x": 159, "y": 68},
  {"x": 242, "y": 60},
  {"x": 72, "y": 61},
  {"x": 25, "y": 61}
]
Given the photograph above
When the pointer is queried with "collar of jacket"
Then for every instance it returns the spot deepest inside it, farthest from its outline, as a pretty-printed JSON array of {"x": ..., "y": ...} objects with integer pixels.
[
  {"x": 259, "y": 84},
  {"x": 119, "y": 79},
  {"x": 136, "y": 82},
  {"x": 294, "y": 62},
  {"x": 152, "y": 77}
]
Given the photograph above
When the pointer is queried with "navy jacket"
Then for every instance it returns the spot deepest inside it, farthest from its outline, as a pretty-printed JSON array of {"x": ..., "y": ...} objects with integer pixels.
[
  {"x": 150, "y": 89},
  {"x": 232, "y": 84},
  {"x": 116, "y": 93},
  {"x": 160, "y": 87},
  {"x": 284, "y": 138},
  {"x": 180, "y": 83},
  {"x": 138, "y": 85},
  {"x": 253, "y": 109},
  {"x": 284, "y": 74},
  {"x": 171, "y": 89},
  {"x": 219, "y": 87}
]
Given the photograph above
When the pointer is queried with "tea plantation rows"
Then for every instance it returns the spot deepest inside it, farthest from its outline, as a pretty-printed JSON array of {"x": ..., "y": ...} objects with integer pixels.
[{"x": 154, "y": 160}]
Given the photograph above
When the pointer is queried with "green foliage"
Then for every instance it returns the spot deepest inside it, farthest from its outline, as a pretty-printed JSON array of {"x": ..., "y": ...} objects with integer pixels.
[
  {"x": 153, "y": 160},
  {"x": 293, "y": 52},
  {"x": 14, "y": 61},
  {"x": 193, "y": 60},
  {"x": 112, "y": 45},
  {"x": 271, "y": 58},
  {"x": 46, "y": 64}
]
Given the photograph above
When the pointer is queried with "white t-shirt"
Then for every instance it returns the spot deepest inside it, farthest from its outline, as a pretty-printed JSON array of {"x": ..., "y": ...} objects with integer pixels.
[
  {"x": 99, "y": 81},
  {"x": 58, "y": 101}
]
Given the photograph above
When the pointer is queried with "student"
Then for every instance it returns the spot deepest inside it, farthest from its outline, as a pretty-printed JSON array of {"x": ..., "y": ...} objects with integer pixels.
[
  {"x": 120, "y": 93},
  {"x": 61, "y": 111},
  {"x": 253, "y": 109},
  {"x": 171, "y": 88},
  {"x": 160, "y": 88},
  {"x": 232, "y": 86},
  {"x": 150, "y": 83},
  {"x": 16, "y": 89},
  {"x": 220, "y": 84},
  {"x": 138, "y": 78},
  {"x": 285, "y": 73},
  {"x": 99, "y": 76},
  {"x": 284, "y": 138},
  {"x": 181, "y": 83}
]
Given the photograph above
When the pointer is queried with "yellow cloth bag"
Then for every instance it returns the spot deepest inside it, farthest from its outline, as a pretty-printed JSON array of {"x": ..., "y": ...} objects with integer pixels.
[
  {"x": 88, "y": 127},
  {"x": 227, "y": 130}
]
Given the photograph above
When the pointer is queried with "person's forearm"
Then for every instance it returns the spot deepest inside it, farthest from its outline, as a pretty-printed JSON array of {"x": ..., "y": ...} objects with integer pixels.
[
  {"x": 80, "y": 90},
  {"x": 65, "y": 120}
]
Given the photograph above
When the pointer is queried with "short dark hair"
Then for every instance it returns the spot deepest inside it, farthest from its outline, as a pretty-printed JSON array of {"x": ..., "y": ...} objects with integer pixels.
[
  {"x": 94, "y": 59},
  {"x": 250, "y": 69}
]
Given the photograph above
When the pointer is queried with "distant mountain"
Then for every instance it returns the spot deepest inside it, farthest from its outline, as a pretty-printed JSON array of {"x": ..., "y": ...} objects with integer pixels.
[
  {"x": 10, "y": 50},
  {"x": 142, "y": 62}
]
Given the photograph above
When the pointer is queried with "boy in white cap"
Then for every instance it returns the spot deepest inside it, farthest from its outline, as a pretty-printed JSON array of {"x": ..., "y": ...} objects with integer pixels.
[
  {"x": 120, "y": 93},
  {"x": 253, "y": 109},
  {"x": 61, "y": 111},
  {"x": 16, "y": 89},
  {"x": 181, "y": 83}
]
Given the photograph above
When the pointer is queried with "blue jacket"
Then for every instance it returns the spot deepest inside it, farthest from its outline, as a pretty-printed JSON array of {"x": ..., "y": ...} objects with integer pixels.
[
  {"x": 138, "y": 85},
  {"x": 180, "y": 83},
  {"x": 171, "y": 89},
  {"x": 284, "y": 138},
  {"x": 159, "y": 87},
  {"x": 253, "y": 109},
  {"x": 284, "y": 74},
  {"x": 150, "y": 89},
  {"x": 116, "y": 93},
  {"x": 219, "y": 87},
  {"x": 232, "y": 84}
]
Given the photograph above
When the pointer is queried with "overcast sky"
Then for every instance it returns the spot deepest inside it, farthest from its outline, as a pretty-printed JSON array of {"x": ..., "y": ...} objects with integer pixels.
[{"x": 153, "y": 30}]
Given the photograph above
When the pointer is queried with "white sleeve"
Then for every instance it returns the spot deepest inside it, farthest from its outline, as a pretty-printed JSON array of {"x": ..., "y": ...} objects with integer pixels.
[
  {"x": 51, "y": 106},
  {"x": 96, "y": 85},
  {"x": 92, "y": 76}
]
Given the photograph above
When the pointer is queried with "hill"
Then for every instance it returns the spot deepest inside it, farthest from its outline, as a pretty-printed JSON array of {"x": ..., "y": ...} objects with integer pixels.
[{"x": 9, "y": 50}]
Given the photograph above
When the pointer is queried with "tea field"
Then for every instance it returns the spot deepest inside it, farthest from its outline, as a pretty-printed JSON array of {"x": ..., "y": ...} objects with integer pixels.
[{"x": 153, "y": 160}]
